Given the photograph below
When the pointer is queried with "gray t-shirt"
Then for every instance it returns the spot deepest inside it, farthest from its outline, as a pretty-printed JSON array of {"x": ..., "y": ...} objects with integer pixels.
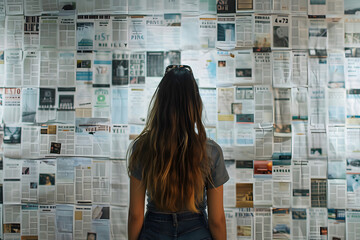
[{"x": 219, "y": 173}]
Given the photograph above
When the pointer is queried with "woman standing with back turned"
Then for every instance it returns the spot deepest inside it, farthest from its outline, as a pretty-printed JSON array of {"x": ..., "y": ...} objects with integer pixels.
[{"x": 181, "y": 170}]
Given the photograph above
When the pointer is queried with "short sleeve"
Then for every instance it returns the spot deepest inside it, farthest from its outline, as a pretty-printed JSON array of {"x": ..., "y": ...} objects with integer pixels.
[
  {"x": 136, "y": 172},
  {"x": 219, "y": 173}
]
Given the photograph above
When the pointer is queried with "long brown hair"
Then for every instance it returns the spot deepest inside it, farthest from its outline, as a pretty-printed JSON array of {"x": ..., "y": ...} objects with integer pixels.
[{"x": 171, "y": 149}]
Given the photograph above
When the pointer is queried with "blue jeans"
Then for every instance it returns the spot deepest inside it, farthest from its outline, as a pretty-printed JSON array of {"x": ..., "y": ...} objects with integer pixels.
[{"x": 175, "y": 226}]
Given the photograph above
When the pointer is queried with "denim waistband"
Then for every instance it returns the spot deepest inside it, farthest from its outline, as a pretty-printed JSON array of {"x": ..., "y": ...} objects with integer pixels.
[{"x": 172, "y": 216}]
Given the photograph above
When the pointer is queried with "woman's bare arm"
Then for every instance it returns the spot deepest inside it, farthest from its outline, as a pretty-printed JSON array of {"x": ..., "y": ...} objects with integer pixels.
[
  {"x": 136, "y": 208},
  {"x": 217, "y": 223}
]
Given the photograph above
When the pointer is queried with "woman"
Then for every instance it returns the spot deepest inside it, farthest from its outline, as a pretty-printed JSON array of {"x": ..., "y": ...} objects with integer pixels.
[{"x": 175, "y": 163}]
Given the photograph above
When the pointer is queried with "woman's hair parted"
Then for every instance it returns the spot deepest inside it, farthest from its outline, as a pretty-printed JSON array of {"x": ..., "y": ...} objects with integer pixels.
[{"x": 171, "y": 149}]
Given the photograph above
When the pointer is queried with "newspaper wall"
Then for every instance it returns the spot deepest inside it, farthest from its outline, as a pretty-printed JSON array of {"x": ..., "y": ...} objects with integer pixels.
[{"x": 280, "y": 87}]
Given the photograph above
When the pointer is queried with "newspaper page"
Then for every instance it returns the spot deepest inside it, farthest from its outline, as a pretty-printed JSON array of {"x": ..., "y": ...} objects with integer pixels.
[
  {"x": 12, "y": 221},
  {"x": 119, "y": 141},
  {"x": 29, "y": 220},
  {"x": 225, "y": 68},
  {"x": 84, "y": 78},
  {"x": 263, "y": 68},
  {"x": 281, "y": 31},
  {"x": 83, "y": 182},
  {"x": 48, "y": 32},
  {"x": 14, "y": 32},
  {"x": 299, "y": 32},
  {"x": 101, "y": 101},
  {"x": 85, "y": 6},
  {"x": 318, "y": 71},
  {"x": 336, "y": 169},
  {"x": 12, "y": 142},
  {"x": 282, "y": 64},
  {"x": 263, "y": 105},
  {"x": 2, "y": 64},
  {"x": 317, "y": 34},
  {"x": 336, "y": 32},
  {"x": 103, "y": 32},
  {"x": 13, "y": 68},
  {"x": 263, "y": 143},
  {"x": 336, "y": 143},
  {"x": 317, "y": 7},
  {"x": 154, "y": 29},
  {"x": 47, "y": 170},
  {"x": 100, "y": 222},
  {"x": 230, "y": 188},
  {"x": 336, "y": 72},
  {"x": 154, "y": 67},
  {"x": 318, "y": 223},
  {"x": 317, "y": 110},
  {"x": 47, "y": 136},
  {"x": 65, "y": 110},
  {"x": 317, "y": 140},
  {"x": 102, "y": 67},
  {"x": 31, "y": 69},
  {"x": 48, "y": 68},
  {"x": 263, "y": 6},
  {"x": 66, "y": 69},
  {"x": 65, "y": 185},
  {"x": 85, "y": 33},
  {"x": 64, "y": 222},
  {"x": 352, "y": 68},
  {"x": 32, "y": 7},
  {"x": 282, "y": 113},
  {"x": 262, "y": 185},
  {"x": 352, "y": 112},
  {"x": 262, "y": 33},
  {"x": 92, "y": 136},
  {"x": 231, "y": 223},
  {"x": 336, "y": 193},
  {"x": 190, "y": 34},
  {"x": 352, "y": 24},
  {"x": 82, "y": 221},
  {"x": 138, "y": 104},
  {"x": 318, "y": 191},
  {"x": 30, "y": 141},
  {"x": 299, "y": 108},
  {"x": 207, "y": 31},
  {"x": 206, "y": 66},
  {"x": 282, "y": 198},
  {"x": 281, "y": 170},
  {"x": 336, "y": 106},
  {"x": 282, "y": 148},
  {"x": 336, "y": 224},
  {"x": 49, "y": 6},
  {"x": 226, "y": 32},
  {"x": 281, "y": 223},
  {"x": 28, "y": 104},
  {"x": 243, "y": 67},
  {"x": 120, "y": 68},
  {"x": 301, "y": 184},
  {"x": 12, "y": 183},
  {"x": 47, "y": 224},
  {"x": 31, "y": 32},
  {"x": 299, "y": 227},
  {"x": 352, "y": 224},
  {"x": 119, "y": 105},
  {"x": 263, "y": 223},
  {"x": 208, "y": 96},
  {"x": 172, "y": 30},
  {"x": 245, "y": 223},
  {"x": 101, "y": 181},
  {"x": 137, "y": 32},
  {"x": 244, "y": 170},
  {"x": 29, "y": 181},
  {"x": 46, "y": 111},
  {"x": 353, "y": 186},
  {"x": 137, "y": 68},
  {"x": 244, "y": 30},
  {"x": 119, "y": 32},
  {"x": 119, "y": 183},
  {"x": 299, "y": 68},
  {"x": 118, "y": 222},
  {"x": 67, "y": 33},
  {"x": 244, "y": 195}
]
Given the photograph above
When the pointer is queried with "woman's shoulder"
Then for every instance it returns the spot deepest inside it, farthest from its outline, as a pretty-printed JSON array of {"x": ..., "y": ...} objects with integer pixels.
[{"x": 214, "y": 149}]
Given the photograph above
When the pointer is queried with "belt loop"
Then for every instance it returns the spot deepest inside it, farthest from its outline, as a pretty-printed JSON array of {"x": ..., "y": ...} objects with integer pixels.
[{"x": 175, "y": 223}]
